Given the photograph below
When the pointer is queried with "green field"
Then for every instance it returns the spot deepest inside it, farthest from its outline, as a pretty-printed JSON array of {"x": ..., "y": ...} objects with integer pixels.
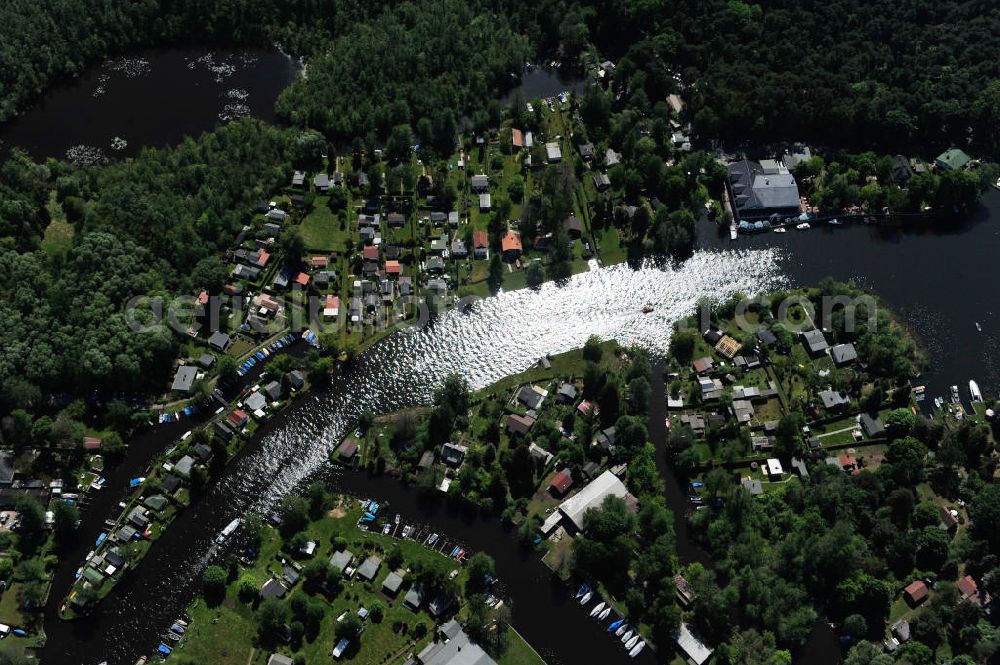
[{"x": 321, "y": 228}]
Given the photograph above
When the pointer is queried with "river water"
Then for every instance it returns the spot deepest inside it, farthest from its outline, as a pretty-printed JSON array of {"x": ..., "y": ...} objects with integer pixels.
[{"x": 940, "y": 281}]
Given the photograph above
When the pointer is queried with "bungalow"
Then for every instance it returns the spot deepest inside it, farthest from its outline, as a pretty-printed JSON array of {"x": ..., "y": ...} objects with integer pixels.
[
  {"x": 138, "y": 518},
  {"x": 184, "y": 379},
  {"x": 766, "y": 337},
  {"x": 458, "y": 249},
  {"x": 969, "y": 591},
  {"x": 532, "y": 396},
  {"x": 519, "y": 425},
  {"x": 238, "y": 418},
  {"x": 517, "y": 138},
  {"x": 948, "y": 521},
  {"x": 298, "y": 179},
  {"x": 273, "y": 589},
  {"x": 413, "y": 599},
  {"x": 367, "y": 235},
  {"x": 156, "y": 503},
  {"x": 271, "y": 229},
  {"x": 510, "y": 244},
  {"x": 273, "y": 391},
  {"x": 753, "y": 486},
  {"x": 440, "y": 244},
  {"x": 703, "y": 365},
  {"x": 814, "y": 341},
  {"x": 601, "y": 181},
  {"x": 485, "y": 202},
  {"x": 952, "y": 160},
  {"x": 331, "y": 307},
  {"x": 480, "y": 244},
  {"x": 319, "y": 262},
  {"x": 479, "y": 183},
  {"x": 206, "y": 360},
  {"x": 915, "y": 592},
  {"x": 566, "y": 393},
  {"x": 871, "y": 426},
  {"x": 586, "y": 151},
  {"x": 370, "y": 253},
  {"x": 405, "y": 284},
  {"x": 392, "y": 583},
  {"x": 276, "y": 215},
  {"x": 685, "y": 594},
  {"x": 369, "y": 569},
  {"x": 453, "y": 454},
  {"x": 773, "y": 468},
  {"x": 553, "y": 153},
  {"x": 606, "y": 438},
  {"x": 844, "y": 354},
  {"x": 573, "y": 226},
  {"x": 540, "y": 453},
  {"x": 435, "y": 264},
  {"x": 7, "y": 474},
  {"x": 249, "y": 273},
  {"x": 832, "y": 400},
  {"x": 203, "y": 452},
  {"x": 184, "y": 465},
  {"x": 223, "y": 431},
  {"x": 296, "y": 379},
  {"x": 396, "y": 220},
  {"x": 676, "y": 103},
  {"x": 611, "y": 158},
  {"x": 453, "y": 219},
  {"x": 341, "y": 560},
  {"x": 560, "y": 483},
  {"x": 171, "y": 483},
  {"x": 279, "y": 659},
  {"x": 255, "y": 402},
  {"x": 393, "y": 268}
]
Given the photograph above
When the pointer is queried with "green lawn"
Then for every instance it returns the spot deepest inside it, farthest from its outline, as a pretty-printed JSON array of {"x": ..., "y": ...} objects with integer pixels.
[
  {"x": 519, "y": 652},
  {"x": 321, "y": 229},
  {"x": 58, "y": 237}
]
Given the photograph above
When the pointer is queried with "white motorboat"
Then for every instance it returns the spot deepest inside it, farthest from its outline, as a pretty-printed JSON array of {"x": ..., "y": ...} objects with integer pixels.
[
  {"x": 229, "y": 530},
  {"x": 804, "y": 226},
  {"x": 597, "y": 609},
  {"x": 621, "y": 630},
  {"x": 977, "y": 396},
  {"x": 632, "y": 642},
  {"x": 627, "y": 636},
  {"x": 781, "y": 229},
  {"x": 604, "y": 615},
  {"x": 636, "y": 649},
  {"x": 586, "y": 598}
]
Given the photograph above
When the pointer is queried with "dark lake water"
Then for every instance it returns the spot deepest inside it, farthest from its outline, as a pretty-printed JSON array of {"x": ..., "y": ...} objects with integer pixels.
[
  {"x": 939, "y": 281},
  {"x": 152, "y": 98}
]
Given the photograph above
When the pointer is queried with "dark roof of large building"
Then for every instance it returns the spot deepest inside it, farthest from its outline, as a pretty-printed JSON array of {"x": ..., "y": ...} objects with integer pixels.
[{"x": 753, "y": 189}]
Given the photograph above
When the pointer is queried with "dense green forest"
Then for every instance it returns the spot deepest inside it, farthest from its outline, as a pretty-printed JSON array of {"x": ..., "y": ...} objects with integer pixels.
[
  {"x": 422, "y": 63},
  {"x": 845, "y": 72}
]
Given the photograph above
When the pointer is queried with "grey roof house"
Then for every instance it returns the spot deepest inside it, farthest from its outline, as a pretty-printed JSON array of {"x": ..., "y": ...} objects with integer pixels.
[{"x": 757, "y": 193}]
